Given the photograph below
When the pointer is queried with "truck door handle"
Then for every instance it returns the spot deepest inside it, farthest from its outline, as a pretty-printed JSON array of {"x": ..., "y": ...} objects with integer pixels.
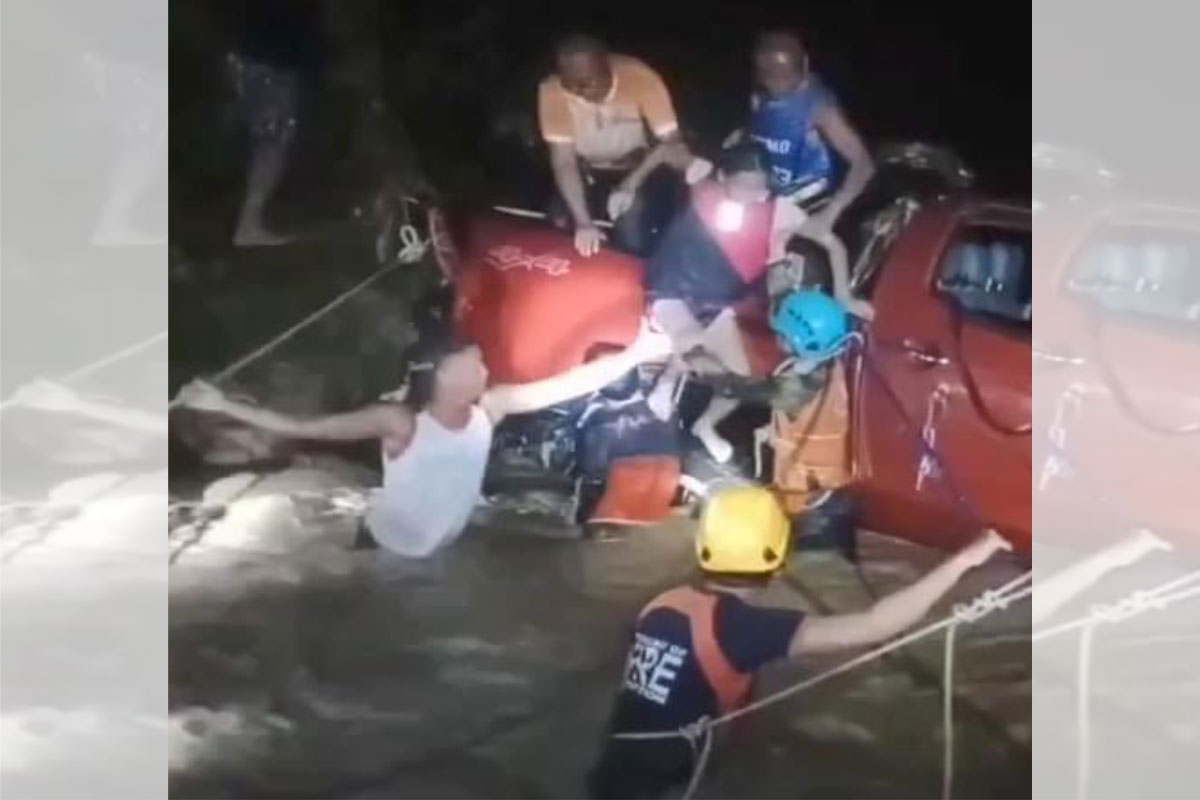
[{"x": 926, "y": 355}]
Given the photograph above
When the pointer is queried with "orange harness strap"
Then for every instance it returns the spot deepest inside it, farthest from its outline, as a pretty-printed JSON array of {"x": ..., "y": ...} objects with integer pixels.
[{"x": 729, "y": 685}]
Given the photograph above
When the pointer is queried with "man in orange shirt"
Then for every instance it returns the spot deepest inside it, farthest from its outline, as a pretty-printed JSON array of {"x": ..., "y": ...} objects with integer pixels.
[{"x": 610, "y": 125}]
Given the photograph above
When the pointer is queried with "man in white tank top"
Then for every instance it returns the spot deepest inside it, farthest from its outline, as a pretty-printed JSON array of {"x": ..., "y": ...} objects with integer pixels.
[{"x": 434, "y": 458}]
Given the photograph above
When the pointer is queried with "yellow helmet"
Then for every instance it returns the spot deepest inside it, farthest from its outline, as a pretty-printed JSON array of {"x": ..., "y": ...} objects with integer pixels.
[{"x": 743, "y": 530}]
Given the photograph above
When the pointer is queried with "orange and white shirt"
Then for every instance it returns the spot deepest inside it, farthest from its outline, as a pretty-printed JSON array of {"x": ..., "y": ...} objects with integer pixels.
[{"x": 609, "y": 133}]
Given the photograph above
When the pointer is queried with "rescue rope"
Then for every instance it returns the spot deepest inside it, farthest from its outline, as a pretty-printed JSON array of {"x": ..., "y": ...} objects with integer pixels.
[
  {"x": 986, "y": 603},
  {"x": 101, "y": 363},
  {"x": 1132, "y": 605},
  {"x": 700, "y": 729},
  {"x": 414, "y": 249},
  {"x": 66, "y": 512},
  {"x": 1083, "y": 712},
  {"x": 200, "y": 527},
  {"x": 948, "y": 713},
  {"x": 929, "y": 448},
  {"x": 1135, "y": 604}
]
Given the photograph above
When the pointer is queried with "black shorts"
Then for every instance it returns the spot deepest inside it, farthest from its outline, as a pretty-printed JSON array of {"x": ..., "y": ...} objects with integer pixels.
[
  {"x": 689, "y": 266},
  {"x": 267, "y": 95}
]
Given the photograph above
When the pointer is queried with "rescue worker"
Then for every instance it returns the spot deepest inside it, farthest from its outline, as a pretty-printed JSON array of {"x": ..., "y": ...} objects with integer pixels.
[
  {"x": 709, "y": 258},
  {"x": 594, "y": 112},
  {"x": 811, "y": 326},
  {"x": 810, "y": 423},
  {"x": 796, "y": 118},
  {"x": 697, "y": 647},
  {"x": 435, "y": 444}
]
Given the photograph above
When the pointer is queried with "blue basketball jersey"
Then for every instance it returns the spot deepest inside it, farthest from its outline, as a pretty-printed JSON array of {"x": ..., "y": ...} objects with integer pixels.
[{"x": 786, "y": 128}]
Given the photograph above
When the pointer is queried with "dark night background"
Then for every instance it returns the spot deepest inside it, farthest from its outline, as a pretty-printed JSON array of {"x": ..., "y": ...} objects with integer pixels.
[{"x": 460, "y": 78}]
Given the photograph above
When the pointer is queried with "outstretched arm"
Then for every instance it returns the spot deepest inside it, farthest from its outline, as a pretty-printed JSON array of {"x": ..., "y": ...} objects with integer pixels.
[
  {"x": 896, "y": 612},
  {"x": 1052, "y": 593},
  {"x": 584, "y": 379},
  {"x": 378, "y": 421},
  {"x": 46, "y": 395}
]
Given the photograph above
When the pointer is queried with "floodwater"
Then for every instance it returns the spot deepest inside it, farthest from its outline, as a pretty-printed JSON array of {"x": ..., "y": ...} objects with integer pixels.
[
  {"x": 300, "y": 668},
  {"x": 313, "y": 671}
]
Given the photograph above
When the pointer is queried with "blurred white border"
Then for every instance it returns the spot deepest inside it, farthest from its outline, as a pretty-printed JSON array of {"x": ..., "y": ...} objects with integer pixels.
[
  {"x": 1115, "y": 700},
  {"x": 83, "y": 378}
]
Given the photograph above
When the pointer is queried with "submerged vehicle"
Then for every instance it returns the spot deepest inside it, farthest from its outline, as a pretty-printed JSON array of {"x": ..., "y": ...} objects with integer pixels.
[{"x": 931, "y": 437}]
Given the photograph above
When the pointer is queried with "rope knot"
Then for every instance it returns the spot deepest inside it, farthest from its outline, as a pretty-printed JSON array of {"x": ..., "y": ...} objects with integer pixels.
[
  {"x": 693, "y": 731},
  {"x": 980, "y": 607},
  {"x": 1130, "y": 606}
]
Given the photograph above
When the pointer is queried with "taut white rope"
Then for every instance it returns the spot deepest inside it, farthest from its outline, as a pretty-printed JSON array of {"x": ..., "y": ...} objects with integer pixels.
[
  {"x": 270, "y": 345},
  {"x": 1083, "y": 710},
  {"x": 983, "y": 605},
  {"x": 1132, "y": 605},
  {"x": 99, "y": 364}
]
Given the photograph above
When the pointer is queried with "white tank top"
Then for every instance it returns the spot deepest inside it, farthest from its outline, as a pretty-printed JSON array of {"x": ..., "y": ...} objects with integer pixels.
[{"x": 430, "y": 489}]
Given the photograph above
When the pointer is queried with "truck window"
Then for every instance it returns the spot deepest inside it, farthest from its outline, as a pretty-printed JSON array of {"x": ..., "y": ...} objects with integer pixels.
[
  {"x": 987, "y": 271},
  {"x": 1147, "y": 272}
]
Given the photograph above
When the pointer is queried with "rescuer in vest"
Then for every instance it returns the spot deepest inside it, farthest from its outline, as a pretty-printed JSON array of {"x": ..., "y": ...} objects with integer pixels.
[
  {"x": 711, "y": 257},
  {"x": 697, "y": 647}
]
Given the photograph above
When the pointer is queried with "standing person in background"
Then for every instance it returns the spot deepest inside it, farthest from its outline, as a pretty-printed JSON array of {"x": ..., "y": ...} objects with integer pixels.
[
  {"x": 278, "y": 46},
  {"x": 797, "y": 120},
  {"x": 594, "y": 112}
]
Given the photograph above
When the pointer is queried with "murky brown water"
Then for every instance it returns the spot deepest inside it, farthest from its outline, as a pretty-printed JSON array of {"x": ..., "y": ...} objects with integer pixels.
[
  {"x": 302, "y": 669},
  {"x": 487, "y": 671}
]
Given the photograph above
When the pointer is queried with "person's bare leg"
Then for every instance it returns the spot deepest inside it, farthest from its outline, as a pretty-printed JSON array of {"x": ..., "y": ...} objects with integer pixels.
[
  {"x": 705, "y": 428},
  {"x": 723, "y": 340},
  {"x": 266, "y": 170},
  {"x": 132, "y": 100},
  {"x": 674, "y": 318},
  {"x": 138, "y": 165},
  {"x": 271, "y": 97}
]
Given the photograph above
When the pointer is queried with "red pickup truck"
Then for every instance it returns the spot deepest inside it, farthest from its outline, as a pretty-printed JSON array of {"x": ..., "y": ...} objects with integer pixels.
[
  {"x": 941, "y": 418},
  {"x": 1116, "y": 362},
  {"x": 944, "y": 428}
]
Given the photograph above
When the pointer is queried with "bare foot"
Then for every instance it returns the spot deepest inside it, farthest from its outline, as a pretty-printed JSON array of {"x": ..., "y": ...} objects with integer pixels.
[
  {"x": 123, "y": 236},
  {"x": 255, "y": 236}
]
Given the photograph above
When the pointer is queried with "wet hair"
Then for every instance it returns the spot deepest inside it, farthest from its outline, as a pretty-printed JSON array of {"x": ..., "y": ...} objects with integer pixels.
[
  {"x": 422, "y": 359},
  {"x": 580, "y": 44},
  {"x": 784, "y": 42},
  {"x": 745, "y": 156}
]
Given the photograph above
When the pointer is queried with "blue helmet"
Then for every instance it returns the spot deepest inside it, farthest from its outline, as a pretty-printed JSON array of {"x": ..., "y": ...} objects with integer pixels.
[{"x": 812, "y": 324}]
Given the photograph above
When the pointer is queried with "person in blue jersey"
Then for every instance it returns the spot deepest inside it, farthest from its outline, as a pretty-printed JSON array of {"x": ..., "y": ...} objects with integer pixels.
[{"x": 796, "y": 119}]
